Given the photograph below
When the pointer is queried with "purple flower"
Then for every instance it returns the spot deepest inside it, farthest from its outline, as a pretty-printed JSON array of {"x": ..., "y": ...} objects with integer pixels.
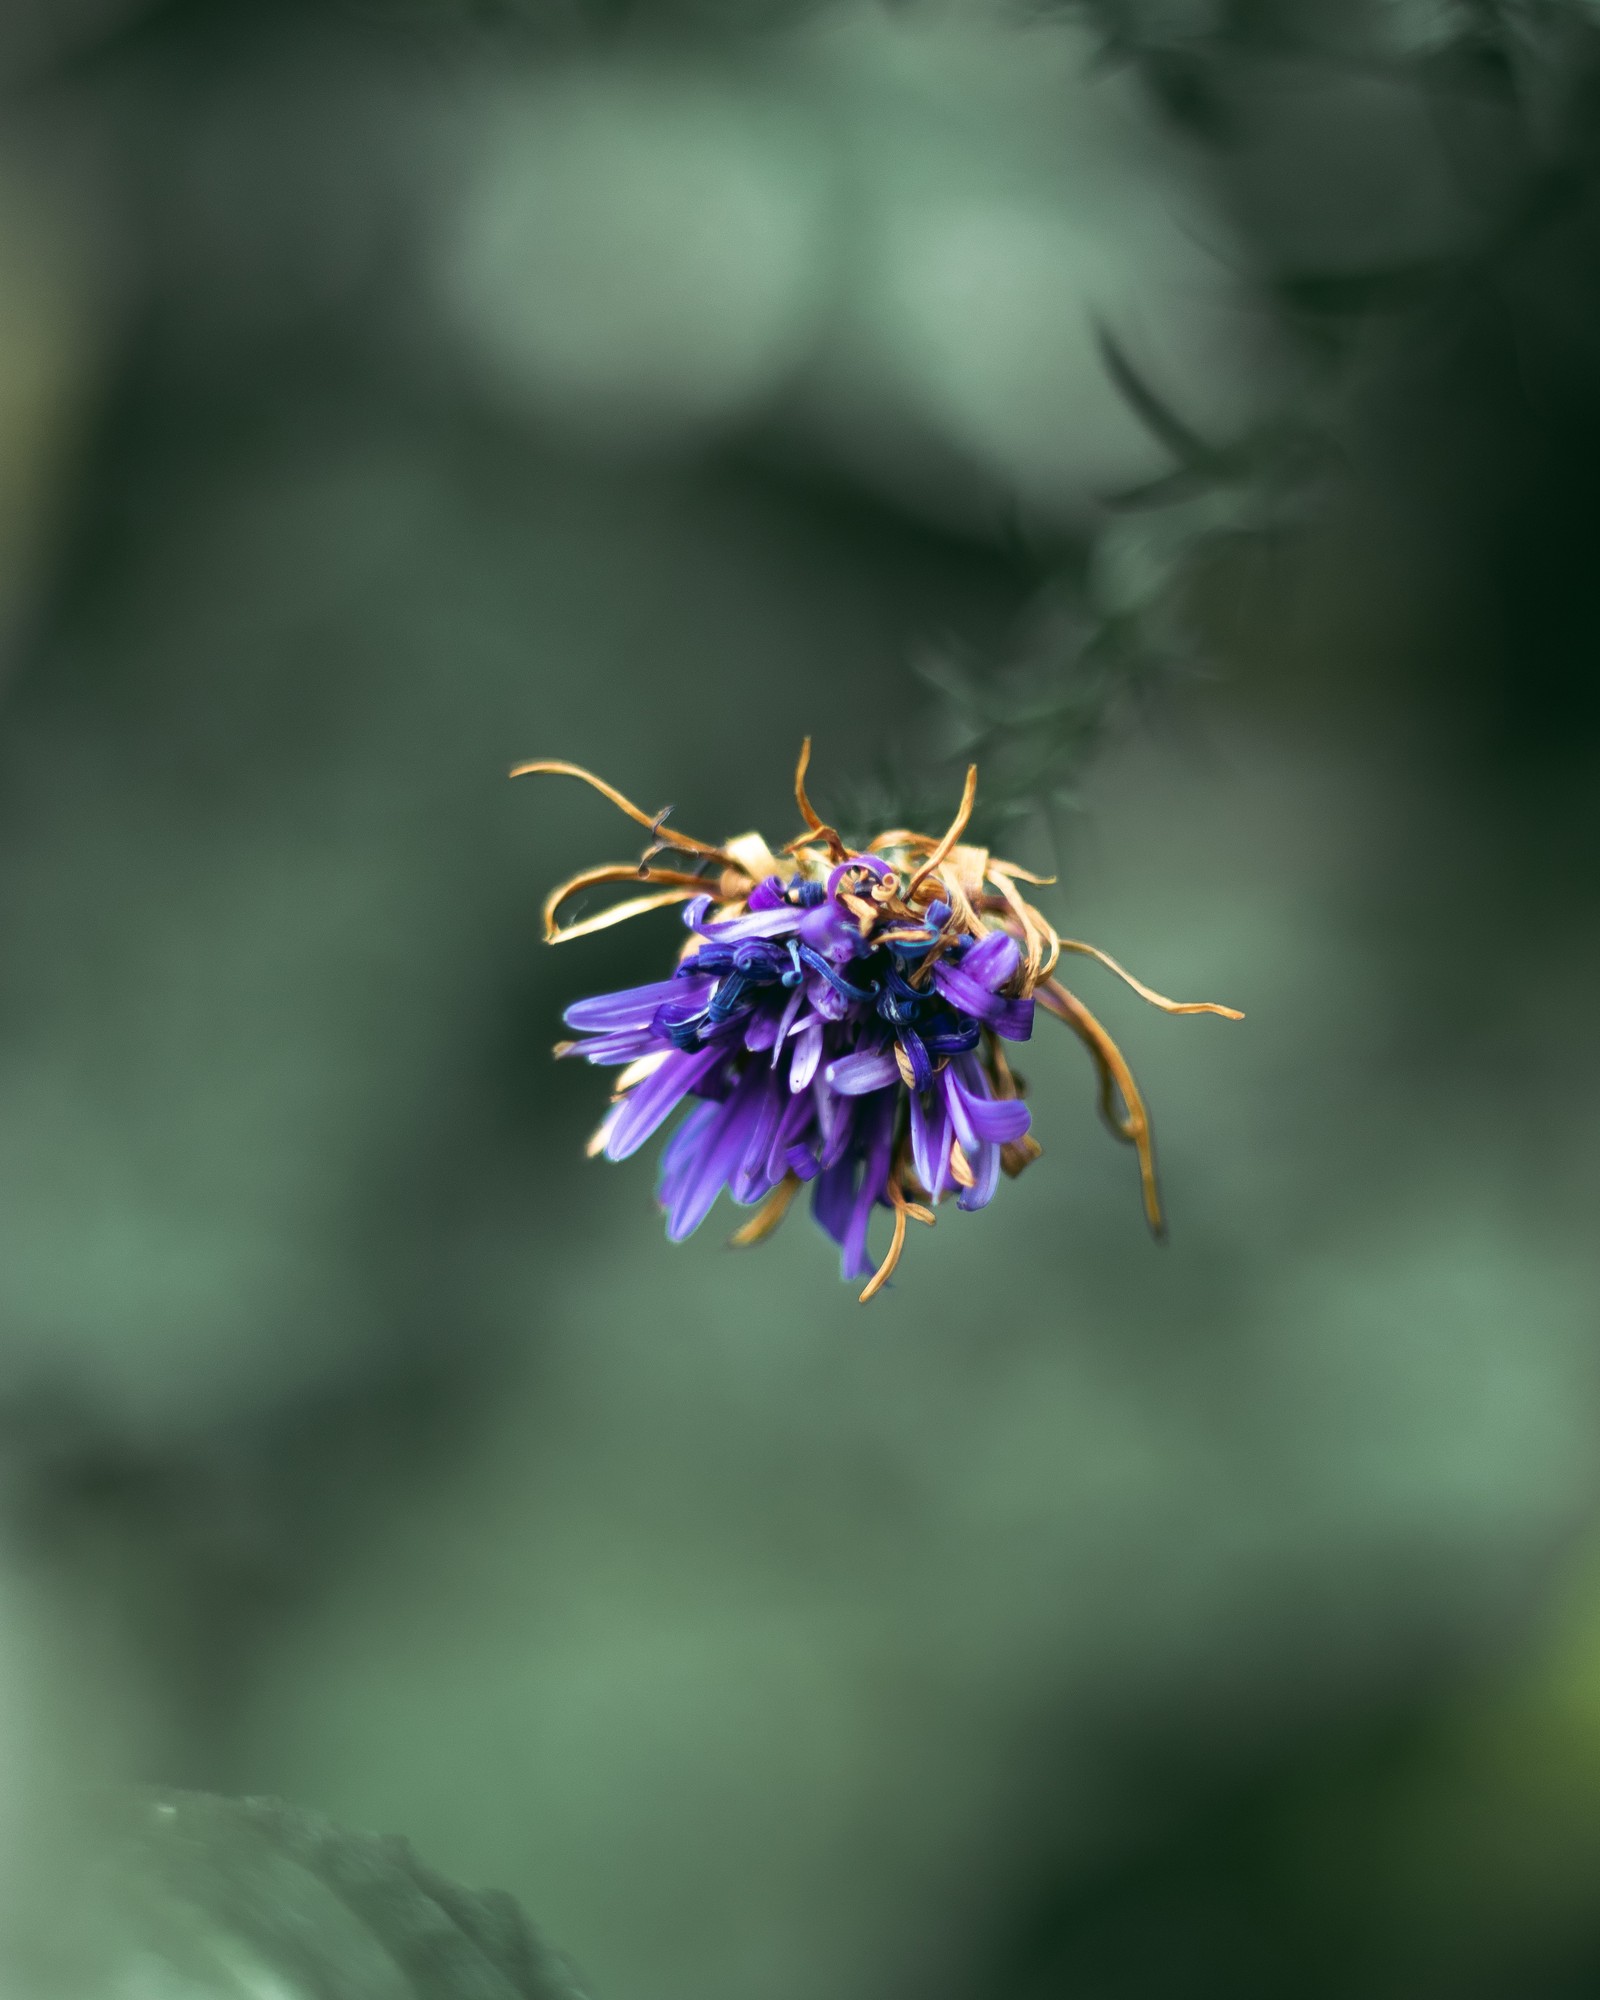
[{"x": 835, "y": 1020}]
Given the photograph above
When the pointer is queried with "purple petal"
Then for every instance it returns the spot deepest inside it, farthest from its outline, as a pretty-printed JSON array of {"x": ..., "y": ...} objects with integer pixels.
[
  {"x": 930, "y": 1143},
  {"x": 1016, "y": 1022},
  {"x": 985, "y": 1165},
  {"x": 807, "y": 1054},
  {"x": 832, "y": 932},
  {"x": 678, "y": 1013},
  {"x": 635, "y": 1005},
  {"x": 997, "y": 1120},
  {"x": 832, "y": 1193},
  {"x": 724, "y": 1141},
  {"x": 623, "y": 1047},
  {"x": 791, "y": 1009},
  {"x": 683, "y": 1149},
  {"x": 829, "y": 1002},
  {"x": 870, "y": 862},
  {"x": 769, "y": 1101},
  {"x": 916, "y": 1054},
  {"x": 854, "y": 1076},
  {"x": 797, "y": 1115},
  {"x": 761, "y": 1032},
  {"x": 993, "y": 961},
  {"x": 767, "y": 894},
  {"x": 966, "y": 994},
  {"x": 836, "y": 1119},
  {"x": 856, "y": 1260},
  {"x": 649, "y": 1102},
  {"x": 979, "y": 1117},
  {"x": 754, "y": 924}
]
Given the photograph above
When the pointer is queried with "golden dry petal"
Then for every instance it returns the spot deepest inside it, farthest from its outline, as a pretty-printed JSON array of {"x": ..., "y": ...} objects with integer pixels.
[
  {"x": 665, "y": 836},
  {"x": 1116, "y": 1079},
  {"x": 818, "y": 829},
  {"x": 897, "y": 1243},
  {"x": 970, "y": 865},
  {"x": 754, "y": 856},
  {"x": 1007, "y": 1084},
  {"x": 1020, "y": 874},
  {"x": 1144, "y": 992},
  {"x": 807, "y": 812},
  {"x": 638, "y": 1070},
  {"x": 767, "y": 1216},
  {"x": 969, "y": 793},
  {"x": 616, "y": 871},
  {"x": 1034, "y": 941},
  {"x": 619, "y": 913}
]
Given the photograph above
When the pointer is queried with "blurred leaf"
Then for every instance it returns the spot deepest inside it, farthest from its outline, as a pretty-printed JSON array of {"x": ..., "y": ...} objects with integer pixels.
[{"x": 190, "y": 1895}]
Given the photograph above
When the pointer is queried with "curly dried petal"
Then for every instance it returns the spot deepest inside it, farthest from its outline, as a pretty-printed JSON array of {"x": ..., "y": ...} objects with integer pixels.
[
  {"x": 1021, "y": 874},
  {"x": 663, "y": 835},
  {"x": 683, "y": 888},
  {"x": 953, "y": 833},
  {"x": 1116, "y": 1079},
  {"x": 897, "y": 1242},
  {"x": 1144, "y": 992},
  {"x": 767, "y": 1216},
  {"x": 819, "y": 829},
  {"x": 1035, "y": 932}
]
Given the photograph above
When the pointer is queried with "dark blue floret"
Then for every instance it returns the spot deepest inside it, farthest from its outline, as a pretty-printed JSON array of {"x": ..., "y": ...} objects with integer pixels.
[
  {"x": 961, "y": 1034},
  {"x": 835, "y": 979},
  {"x": 921, "y": 1066},
  {"x": 727, "y": 999}
]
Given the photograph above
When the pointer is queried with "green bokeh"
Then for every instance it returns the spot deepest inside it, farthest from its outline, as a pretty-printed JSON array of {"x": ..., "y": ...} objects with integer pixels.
[{"x": 390, "y": 393}]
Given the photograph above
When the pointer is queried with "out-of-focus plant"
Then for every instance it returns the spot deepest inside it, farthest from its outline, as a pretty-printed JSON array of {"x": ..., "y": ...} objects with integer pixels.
[
  {"x": 1503, "y": 99},
  {"x": 185, "y": 1894},
  {"x": 1116, "y": 626}
]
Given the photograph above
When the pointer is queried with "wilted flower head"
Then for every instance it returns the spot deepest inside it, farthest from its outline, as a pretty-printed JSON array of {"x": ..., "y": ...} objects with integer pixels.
[{"x": 838, "y": 1017}]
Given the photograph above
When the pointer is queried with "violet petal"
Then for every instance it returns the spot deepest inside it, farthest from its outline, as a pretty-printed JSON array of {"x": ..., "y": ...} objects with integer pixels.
[
  {"x": 993, "y": 960},
  {"x": 967, "y": 995},
  {"x": 832, "y": 1194},
  {"x": 634, "y": 1005},
  {"x": 854, "y": 1076},
  {"x": 930, "y": 1143},
  {"x": 724, "y": 1142},
  {"x": 807, "y": 1054},
  {"x": 761, "y": 1030},
  {"x": 985, "y": 1165},
  {"x": 856, "y": 1260},
  {"x": 649, "y": 1102},
  {"x": 625, "y": 1046}
]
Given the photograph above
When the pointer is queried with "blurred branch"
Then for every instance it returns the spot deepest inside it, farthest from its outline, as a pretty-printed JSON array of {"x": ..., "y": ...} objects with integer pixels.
[{"x": 1114, "y": 625}]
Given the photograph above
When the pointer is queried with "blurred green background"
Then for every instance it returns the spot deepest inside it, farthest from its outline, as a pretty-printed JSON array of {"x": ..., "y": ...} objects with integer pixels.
[{"x": 392, "y": 391}]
